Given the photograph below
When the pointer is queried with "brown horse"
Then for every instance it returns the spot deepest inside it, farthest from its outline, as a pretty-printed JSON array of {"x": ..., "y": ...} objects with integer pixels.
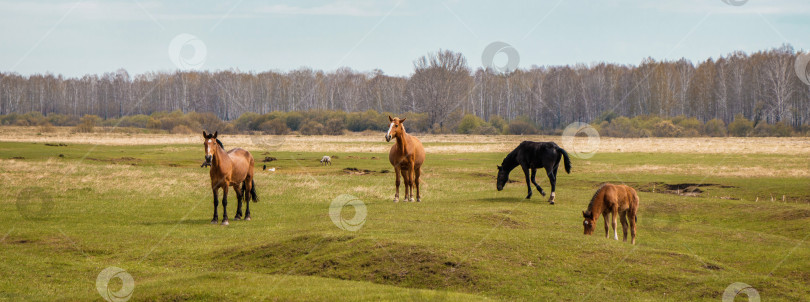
[
  {"x": 618, "y": 200},
  {"x": 407, "y": 156},
  {"x": 232, "y": 168}
]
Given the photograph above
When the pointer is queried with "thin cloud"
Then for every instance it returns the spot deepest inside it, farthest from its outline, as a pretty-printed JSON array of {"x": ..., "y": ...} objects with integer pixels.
[
  {"x": 752, "y": 7},
  {"x": 331, "y": 9}
]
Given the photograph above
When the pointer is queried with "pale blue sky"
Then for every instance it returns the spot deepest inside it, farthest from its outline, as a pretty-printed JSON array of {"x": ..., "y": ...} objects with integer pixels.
[{"x": 77, "y": 38}]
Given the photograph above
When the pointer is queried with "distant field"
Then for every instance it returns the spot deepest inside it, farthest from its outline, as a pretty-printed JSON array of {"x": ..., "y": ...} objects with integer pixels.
[{"x": 713, "y": 211}]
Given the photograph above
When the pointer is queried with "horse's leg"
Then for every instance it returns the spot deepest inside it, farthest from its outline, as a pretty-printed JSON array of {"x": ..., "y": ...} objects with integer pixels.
[
  {"x": 623, "y": 217},
  {"x": 528, "y": 181},
  {"x": 239, "y": 195},
  {"x": 632, "y": 217},
  {"x": 412, "y": 176},
  {"x": 216, "y": 204},
  {"x": 539, "y": 189},
  {"x": 418, "y": 171},
  {"x": 552, "y": 178},
  {"x": 397, "y": 172},
  {"x": 225, "y": 205},
  {"x": 248, "y": 196},
  {"x": 406, "y": 175},
  {"x": 607, "y": 229},
  {"x": 615, "y": 222}
]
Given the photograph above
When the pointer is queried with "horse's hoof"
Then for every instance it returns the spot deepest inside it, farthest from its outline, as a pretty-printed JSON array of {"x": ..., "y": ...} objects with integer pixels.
[
  {"x": 247, "y": 218},
  {"x": 396, "y": 199},
  {"x": 551, "y": 202},
  {"x": 419, "y": 200},
  {"x": 542, "y": 193},
  {"x": 237, "y": 218},
  {"x": 214, "y": 221},
  {"x": 225, "y": 222},
  {"x": 411, "y": 199}
]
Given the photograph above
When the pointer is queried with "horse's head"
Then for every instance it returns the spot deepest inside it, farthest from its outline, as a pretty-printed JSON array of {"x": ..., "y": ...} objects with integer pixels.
[
  {"x": 503, "y": 177},
  {"x": 588, "y": 223},
  {"x": 396, "y": 129},
  {"x": 210, "y": 146}
]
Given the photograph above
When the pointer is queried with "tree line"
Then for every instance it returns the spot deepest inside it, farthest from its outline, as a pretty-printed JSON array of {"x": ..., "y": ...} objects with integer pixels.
[{"x": 761, "y": 87}]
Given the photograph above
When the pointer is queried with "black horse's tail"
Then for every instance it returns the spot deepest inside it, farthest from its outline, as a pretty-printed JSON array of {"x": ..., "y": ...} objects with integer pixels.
[
  {"x": 567, "y": 160},
  {"x": 252, "y": 191}
]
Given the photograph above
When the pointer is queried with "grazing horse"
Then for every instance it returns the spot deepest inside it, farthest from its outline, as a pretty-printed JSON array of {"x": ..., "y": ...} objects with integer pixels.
[
  {"x": 326, "y": 160},
  {"x": 618, "y": 200},
  {"x": 530, "y": 156},
  {"x": 407, "y": 156},
  {"x": 232, "y": 168}
]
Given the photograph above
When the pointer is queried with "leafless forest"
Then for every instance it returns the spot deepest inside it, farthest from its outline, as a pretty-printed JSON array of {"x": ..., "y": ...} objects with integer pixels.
[{"x": 762, "y": 86}]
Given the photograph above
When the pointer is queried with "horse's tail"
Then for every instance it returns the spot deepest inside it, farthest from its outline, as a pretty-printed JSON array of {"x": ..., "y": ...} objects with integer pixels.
[
  {"x": 253, "y": 190},
  {"x": 567, "y": 160}
]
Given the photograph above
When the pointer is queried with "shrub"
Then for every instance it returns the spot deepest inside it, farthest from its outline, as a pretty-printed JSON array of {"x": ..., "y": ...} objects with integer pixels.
[
  {"x": 334, "y": 126},
  {"x": 666, "y": 129},
  {"x": 779, "y": 129},
  {"x": 276, "y": 126},
  {"x": 520, "y": 127},
  {"x": 88, "y": 122},
  {"x": 741, "y": 126},
  {"x": 245, "y": 121},
  {"x": 294, "y": 120},
  {"x": 498, "y": 123},
  {"x": 312, "y": 128},
  {"x": 469, "y": 123},
  {"x": 715, "y": 127},
  {"x": 689, "y": 124},
  {"x": 622, "y": 127}
]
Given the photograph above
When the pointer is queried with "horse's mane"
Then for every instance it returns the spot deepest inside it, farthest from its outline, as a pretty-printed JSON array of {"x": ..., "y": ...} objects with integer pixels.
[
  {"x": 510, "y": 161},
  {"x": 590, "y": 205},
  {"x": 220, "y": 143}
]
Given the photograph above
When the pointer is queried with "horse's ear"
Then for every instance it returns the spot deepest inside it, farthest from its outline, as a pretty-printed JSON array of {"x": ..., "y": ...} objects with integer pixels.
[
  {"x": 499, "y": 167},
  {"x": 402, "y": 120},
  {"x": 390, "y": 118},
  {"x": 585, "y": 215},
  {"x": 205, "y": 135},
  {"x": 215, "y": 134}
]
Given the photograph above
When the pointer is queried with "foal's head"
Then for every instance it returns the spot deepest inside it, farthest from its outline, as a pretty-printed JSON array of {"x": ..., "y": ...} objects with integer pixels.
[
  {"x": 211, "y": 145},
  {"x": 503, "y": 177},
  {"x": 588, "y": 222},
  {"x": 396, "y": 129}
]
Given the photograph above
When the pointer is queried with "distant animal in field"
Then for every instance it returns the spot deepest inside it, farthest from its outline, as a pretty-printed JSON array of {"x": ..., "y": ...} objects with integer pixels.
[
  {"x": 530, "y": 156},
  {"x": 233, "y": 168},
  {"x": 264, "y": 167},
  {"x": 617, "y": 200},
  {"x": 326, "y": 160},
  {"x": 407, "y": 156}
]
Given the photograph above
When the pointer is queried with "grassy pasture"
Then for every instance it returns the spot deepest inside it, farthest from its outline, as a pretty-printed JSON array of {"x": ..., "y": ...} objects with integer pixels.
[{"x": 71, "y": 211}]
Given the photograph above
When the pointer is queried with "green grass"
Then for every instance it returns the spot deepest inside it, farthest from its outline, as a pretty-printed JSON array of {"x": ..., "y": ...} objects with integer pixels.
[{"x": 146, "y": 209}]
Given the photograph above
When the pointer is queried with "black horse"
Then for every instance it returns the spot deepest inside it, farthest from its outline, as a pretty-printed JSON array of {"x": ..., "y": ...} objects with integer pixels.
[{"x": 531, "y": 156}]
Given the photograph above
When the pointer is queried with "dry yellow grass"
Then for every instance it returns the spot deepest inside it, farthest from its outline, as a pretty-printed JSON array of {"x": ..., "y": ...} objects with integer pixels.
[{"x": 374, "y": 142}]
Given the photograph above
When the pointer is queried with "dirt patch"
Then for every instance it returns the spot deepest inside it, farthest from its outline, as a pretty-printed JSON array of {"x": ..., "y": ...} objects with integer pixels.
[
  {"x": 351, "y": 258},
  {"x": 356, "y": 171},
  {"x": 682, "y": 189},
  {"x": 791, "y": 215}
]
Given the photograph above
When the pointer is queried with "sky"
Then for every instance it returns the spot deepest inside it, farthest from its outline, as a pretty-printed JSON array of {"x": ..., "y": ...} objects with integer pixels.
[{"x": 94, "y": 37}]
